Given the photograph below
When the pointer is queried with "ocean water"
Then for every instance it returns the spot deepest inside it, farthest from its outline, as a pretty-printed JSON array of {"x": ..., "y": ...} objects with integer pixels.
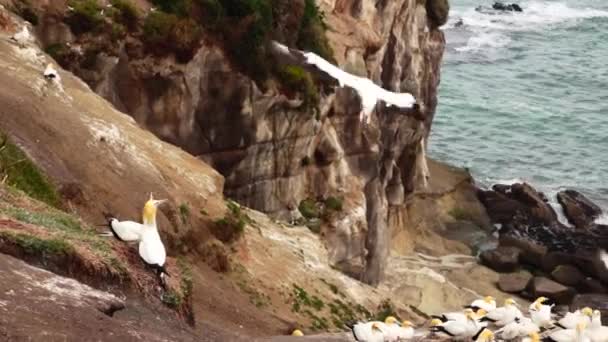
[{"x": 524, "y": 96}]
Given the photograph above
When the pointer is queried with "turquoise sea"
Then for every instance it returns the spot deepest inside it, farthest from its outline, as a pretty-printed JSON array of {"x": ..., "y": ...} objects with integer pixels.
[{"x": 524, "y": 96}]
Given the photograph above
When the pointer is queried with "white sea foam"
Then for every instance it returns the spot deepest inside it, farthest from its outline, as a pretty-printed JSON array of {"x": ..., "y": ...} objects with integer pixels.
[
  {"x": 603, "y": 219},
  {"x": 485, "y": 40}
]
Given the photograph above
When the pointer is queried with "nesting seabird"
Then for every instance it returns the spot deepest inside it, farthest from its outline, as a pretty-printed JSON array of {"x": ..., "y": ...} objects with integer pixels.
[
  {"x": 458, "y": 328},
  {"x": 520, "y": 327},
  {"x": 368, "y": 332},
  {"x": 596, "y": 331},
  {"x": 487, "y": 303},
  {"x": 368, "y": 91},
  {"x": 571, "y": 319},
  {"x": 505, "y": 314},
  {"x": 578, "y": 334},
  {"x": 397, "y": 331},
  {"x": 126, "y": 231},
  {"x": 151, "y": 248},
  {"x": 22, "y": 37},
  {"x": 540, "y": 312}
]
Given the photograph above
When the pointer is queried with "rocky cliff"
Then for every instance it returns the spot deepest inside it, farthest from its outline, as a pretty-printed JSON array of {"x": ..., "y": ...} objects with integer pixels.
[{"x": 274, "y": 153}]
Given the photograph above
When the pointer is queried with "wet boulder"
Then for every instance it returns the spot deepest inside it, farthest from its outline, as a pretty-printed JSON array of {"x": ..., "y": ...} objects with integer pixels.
[
  {"x": 567, "y": 275},
  {"x": 501, "y": 259},
  {"x": 531, "y": 252},
  {"x": 591, "y": 285},
  {"x": 579, "y": 210},
  {"x": 541, "y": 286},
  {"x": 514, "y": 282}
]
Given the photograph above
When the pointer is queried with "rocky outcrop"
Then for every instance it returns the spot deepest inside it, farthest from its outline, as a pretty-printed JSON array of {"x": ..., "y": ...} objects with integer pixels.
[
  {"x": 579, "y": 210},
  {"x": 272, "y": 151}
]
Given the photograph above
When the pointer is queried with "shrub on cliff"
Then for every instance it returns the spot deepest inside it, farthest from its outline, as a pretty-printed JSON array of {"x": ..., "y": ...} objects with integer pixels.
[
  {"x": 311, "y": 36},
  {"x": 178, "y": 7},
  {"x": 165, "y": 33},
  {"x": 437, "y": 11},
  {"x": 85, "y": 16},
  {"x": 297, "y": 80},
  {"x": 125, "y": 13}
]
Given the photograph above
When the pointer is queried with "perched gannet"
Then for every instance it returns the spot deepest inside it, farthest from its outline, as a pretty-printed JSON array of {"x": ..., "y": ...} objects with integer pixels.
[
  {"x": 126, "y": 231},
  {"x": 395, "y": 331},
  {"x": 573, "y": 318},
  {"x": 457, "y": 329},
  {"x": 461, "y": 316},
  {"x": 596, "y": 331},
  {"x": 297, "y": 332},
  {"x": 368, "y": 91},
  {"x": 368, "y": 332},
  {"x": 503, "y": 315},
  {"x": 520, "y": 327},
  {"x": 532, "y": 337},
  {"x": 22, "y": 37},
  {"x": 540, "y": 313},
  {"x": 487, "y": 303},
  {"x": 570, "y": 335},
  {"x": 151, "y": 248},
  {"x": 484, "y": 335},
  {"x": 51, "y": 74}
]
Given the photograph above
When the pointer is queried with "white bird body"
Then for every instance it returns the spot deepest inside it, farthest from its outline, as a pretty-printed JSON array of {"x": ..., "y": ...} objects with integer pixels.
[
  {"x": 596, "y": 331},
  {"x": 127, "y": 231},
  {"x": 579, "y": 334},
  {"x": 459, "y": 329},
  {"x": 518, "y": 328},
  {"x": 504, "y": 315},
  {"x": 395, "y": 333},
  {"x": 23, "y": 37},
  {"x": 487, "y": 303},
  {"x": 541, "y": 315},
  {"x": 368, "y": 91},
  {"x": 368, "y": 332},
  {"x": 571, "y": 319},
  {"x": 151, "y": 248},
  {"x": 604, "y": 257},
  {"x": 51, "y": 74}
]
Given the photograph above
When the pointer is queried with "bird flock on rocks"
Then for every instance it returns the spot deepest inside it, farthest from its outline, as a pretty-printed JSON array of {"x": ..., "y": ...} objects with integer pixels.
[
  {"x": 483, "y": 321},
  {"x": 151, "y": 248}
]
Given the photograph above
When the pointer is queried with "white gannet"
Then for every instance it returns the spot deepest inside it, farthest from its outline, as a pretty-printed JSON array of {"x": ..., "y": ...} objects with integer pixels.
[
  {"x": 368, "y": 332},
  {"x": 151, "y": 248},
  {"x": 127, "y": 231},
  {"x": 368, "y": 91},
  {"x": 570, "y": 335},
  {"x": 571, "y": 319},
  {"x": 596, "y": 331},
  {"x": 297, "y": 332},
  {"x": 487, "y": 303},
  {"x": 520, "y": 327},
  {"x": 22, "y": 37},
  {"x": 461, "y": 316},
  {"x": 457, "y": 329},
  {"x": 505, "y": 314},
  {"x": 532, "y": 337},
  {"x": 51, "y": 74},
  {"x": 541, "y": 313},
  {"x": 397, "y": 331}
]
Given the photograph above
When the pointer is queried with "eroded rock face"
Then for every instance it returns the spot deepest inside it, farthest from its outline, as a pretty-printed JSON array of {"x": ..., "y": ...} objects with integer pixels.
[{"x": 258, "y": 139}]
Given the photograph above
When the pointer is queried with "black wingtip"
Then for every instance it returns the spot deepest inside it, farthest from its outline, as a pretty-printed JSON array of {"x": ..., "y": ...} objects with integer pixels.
[
  {"x": 560, "y": 326},
  {"x": 478, "y": 333},
  {"x": 486, "y": 319},
  {"x": 441, "y": 329}
]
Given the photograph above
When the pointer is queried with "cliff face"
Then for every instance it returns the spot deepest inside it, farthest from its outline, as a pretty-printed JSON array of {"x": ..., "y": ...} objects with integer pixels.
[{"x": 271, "y": 151}]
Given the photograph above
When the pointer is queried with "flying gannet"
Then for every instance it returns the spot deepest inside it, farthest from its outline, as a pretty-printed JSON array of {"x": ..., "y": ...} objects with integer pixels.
[
  {"x": 505, "y": 314},
  {"x": 151, "y": 248},
  {"x": 571, "y": 319},
  {"x": 487, "y": 303},
  {"x": 368, "y": 91},
  {"x": 368, "y": 332},
  {"x": 596, "y": 331}
]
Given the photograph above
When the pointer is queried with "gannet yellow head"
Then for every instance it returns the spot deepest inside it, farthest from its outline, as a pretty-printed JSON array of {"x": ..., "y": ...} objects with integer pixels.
[
  {"x": 488, "y": 299},
  {"x": 297, "y": 332},
  {"x": 391, "y": 320},
  {"x": 472, "y": 316},
  {"x": 376, "y": 327},
  {"x": 537, "y": 305},
  {"x": 407, "y": 324},
  {"x": 534, "y": 336},
  {"x": 541, "y": 300},
  {"x": 587, "y": 311},
  {"x": 468, "y": 311},
  {"x": 486, "y": 336},
  {"x": 510, "y": 301},
  {"x": 150, "y": 208},
  {"x": 481, "y": 312},
  {"x": 435, "y": 322}
]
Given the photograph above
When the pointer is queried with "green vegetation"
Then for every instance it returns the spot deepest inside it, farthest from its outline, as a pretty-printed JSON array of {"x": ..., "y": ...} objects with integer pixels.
[
  {"x": 231, "y": 226},
  {"x": 125, "y": 13},
  {"x": 172, "y": 299},
  {"x": 297, "y": 80},
  {"x": 164, "y": 32},
  {"x": 302, "y": 299},
  {"x": 85, "y": 17},
  {"x": 184, "y": 212},
  {"x": 18, "y": 171},
  {"x": 312, "y": 32},
  {"x": 385, "y": 309},
  {"x": 178, "y": 7},
  {"x": 334, "y": 203},
  {"x": 460, "y": 214},
  {"x": 33, "y": 245},
  {"x": 176, "y": 299},
  {"x": 308, "y": 208}
]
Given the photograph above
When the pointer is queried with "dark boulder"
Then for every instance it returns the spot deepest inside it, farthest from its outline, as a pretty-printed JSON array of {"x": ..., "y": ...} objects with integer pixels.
[
  {"x": 567, "y": 275},
  {"x": 499, "y": 6},
  {"x": 553, "y": 259},
  {"x": 596, "y": 301},
  {"x": 579, "y": 210},
  {"x": 514, "y": 282},
  {"x": 531, "y": 252},
  {"x": 437, "y": 11},
  {"x": 536, "y": 202},
  {"x": 501, "y": 259},
  {"x": 541, "y": 286},
  {"x": 591, "y": 285}
]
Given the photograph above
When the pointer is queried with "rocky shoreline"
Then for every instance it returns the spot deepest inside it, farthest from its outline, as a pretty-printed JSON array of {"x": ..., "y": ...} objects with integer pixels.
[{"x": 537, "y": 255}]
